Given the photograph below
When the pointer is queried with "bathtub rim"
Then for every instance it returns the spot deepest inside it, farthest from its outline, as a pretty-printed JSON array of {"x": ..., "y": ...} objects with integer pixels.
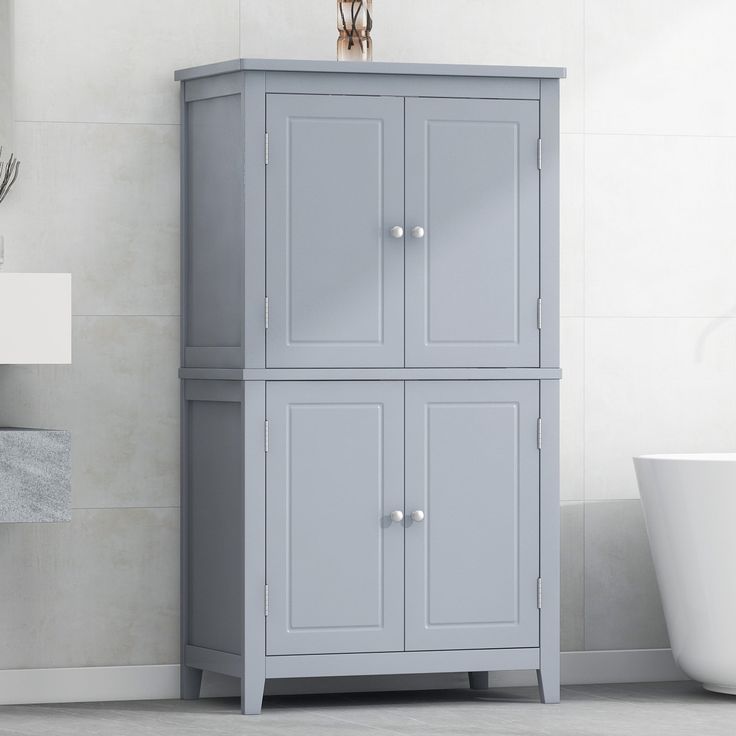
[{"x": 696, "y": 457}]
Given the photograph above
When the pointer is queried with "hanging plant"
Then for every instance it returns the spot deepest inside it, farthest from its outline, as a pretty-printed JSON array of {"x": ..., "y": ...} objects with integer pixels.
[{"x": 8, "y": 174}]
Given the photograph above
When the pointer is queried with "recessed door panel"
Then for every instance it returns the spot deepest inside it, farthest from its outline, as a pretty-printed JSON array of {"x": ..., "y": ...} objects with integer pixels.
[
  {"x": 472, "y": 470},
  {"x": 334, "y": 558},
  {"x": 472, "y": 279},
  {"x": 335, "y": 187}
]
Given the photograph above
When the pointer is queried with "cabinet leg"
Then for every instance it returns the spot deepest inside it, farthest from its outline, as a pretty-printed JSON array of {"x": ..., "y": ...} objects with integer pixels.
[
  {"x": 549, "y": 685},
  {"x": 251, "y": 695},
  {"x": 190, "y": 682},
  {"x": 479, "y": 680}
]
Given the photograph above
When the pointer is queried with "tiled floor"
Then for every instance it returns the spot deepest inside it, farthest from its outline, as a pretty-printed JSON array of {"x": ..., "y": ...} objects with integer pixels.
[{"x": 649, "y": 709}]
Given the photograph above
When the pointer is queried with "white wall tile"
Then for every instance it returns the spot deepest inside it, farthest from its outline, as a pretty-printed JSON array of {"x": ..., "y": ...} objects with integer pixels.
[
  {"x": 6, "y": 77},
  {"x": 660, "y": 66},
  {"x": 102, "y": 202},
  {"x": 622, "y": 603},
  {"x": 572, "y": 409},
  {"x": 572, "y": 225},
  {"x": 120, "y": 399},
  {"x": 659, "y": 226},
  {"x": 289, "y": 29},
  {"x": 92, "y": 61},
  {"x": 526, "y": 32},
  {"x": 654, "y": 385},
  {"x": 101, "y": 590}
]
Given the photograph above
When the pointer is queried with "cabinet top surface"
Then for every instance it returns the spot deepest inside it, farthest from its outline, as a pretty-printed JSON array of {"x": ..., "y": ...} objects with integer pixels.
[{"x": 373, "y": 67}]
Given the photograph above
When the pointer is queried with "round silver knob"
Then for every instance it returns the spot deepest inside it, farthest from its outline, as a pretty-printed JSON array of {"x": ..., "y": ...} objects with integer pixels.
[
  {"x": 397, "y": 515},
  {"x": 417, "y": 515},
  {"x": 397, "y": 231},
  {"x": 417, "y": 231}
]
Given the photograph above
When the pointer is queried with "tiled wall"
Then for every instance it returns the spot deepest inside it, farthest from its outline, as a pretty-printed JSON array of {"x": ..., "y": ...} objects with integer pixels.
[
  {"x": 649, "y": 257},
  {"x": 6, "y": 73},
  {"x": 96, "y": 126}
]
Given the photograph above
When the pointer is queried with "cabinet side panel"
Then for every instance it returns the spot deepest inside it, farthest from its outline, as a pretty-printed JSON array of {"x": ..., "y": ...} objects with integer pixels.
[
  {"x": 549, "y": 222},
  {"x": 214, "y": 498},
  {"x": 213, "y": 223}
]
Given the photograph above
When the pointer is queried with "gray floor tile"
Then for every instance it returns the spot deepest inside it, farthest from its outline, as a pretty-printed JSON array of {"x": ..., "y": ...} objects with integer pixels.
[{"x": 651, "y": 709}]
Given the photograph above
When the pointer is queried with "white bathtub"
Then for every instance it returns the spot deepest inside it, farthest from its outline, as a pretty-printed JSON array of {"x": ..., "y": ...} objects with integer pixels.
[{"x": 690, "y": 510}]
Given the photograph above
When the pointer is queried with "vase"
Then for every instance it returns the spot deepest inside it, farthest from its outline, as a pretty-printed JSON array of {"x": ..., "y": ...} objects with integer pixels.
[{"x": 354, "y": 23}]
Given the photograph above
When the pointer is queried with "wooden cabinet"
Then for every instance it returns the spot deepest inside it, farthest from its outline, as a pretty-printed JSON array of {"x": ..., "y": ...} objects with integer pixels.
[{"x": 370, "y": 366}]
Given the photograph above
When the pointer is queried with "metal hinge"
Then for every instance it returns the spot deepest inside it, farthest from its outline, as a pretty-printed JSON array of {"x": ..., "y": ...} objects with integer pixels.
[
  {"x": 539, "y": 153},
  {"x": 539, "y": 433},
  {"x": 265, "y": 436},
  {"x": 265, "y": 146},
  {"x": 265, "y": 600},
  {"x": 265, "y": 312},
  {"x": 539, "y": 313},
  {"x": 539, "y": 593}
]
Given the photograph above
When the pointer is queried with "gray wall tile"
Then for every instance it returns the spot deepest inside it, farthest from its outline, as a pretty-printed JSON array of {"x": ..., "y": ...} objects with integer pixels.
[
  {"x": 622, "y": 603},
  {"x": 572, "y": 594},
  {"x": 119, "y": 398},
  {"x": 102, "y": 203},
  {"x": 101, "y": 590},
  {"x": 86, "y": 60}
]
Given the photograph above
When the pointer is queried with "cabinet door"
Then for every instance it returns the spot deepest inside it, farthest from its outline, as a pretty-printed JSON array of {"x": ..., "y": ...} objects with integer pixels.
[
  {"x": 334, "y": 559},
  {"x": 472, "y": 468},
  {"x": 335, "y": 187},
  {"x": 472, "y": 280}
]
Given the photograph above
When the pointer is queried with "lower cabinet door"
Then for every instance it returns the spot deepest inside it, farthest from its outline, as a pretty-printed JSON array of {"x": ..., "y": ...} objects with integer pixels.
[
  {"x": 335, "y": 561},
  {"x": 472, "y": 472}
]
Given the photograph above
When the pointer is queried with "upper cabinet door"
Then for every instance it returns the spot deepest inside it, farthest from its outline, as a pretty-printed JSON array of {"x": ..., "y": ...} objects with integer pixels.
[
  {"x": 472, "y": 483},
  {"x": 472, "y": 278},
  {"x": 335, "y": 188}
]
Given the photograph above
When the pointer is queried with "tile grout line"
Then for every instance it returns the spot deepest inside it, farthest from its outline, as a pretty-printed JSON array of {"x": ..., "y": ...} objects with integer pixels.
[
  {"x": 240, "y": 28},
  {"x": 123, "y": 316},
  {"x": 656, "y": 316},
  {"x": 96, "y": 122},
  {"x": 120, "y": 508},
  {"x": 663, "y": 135}
]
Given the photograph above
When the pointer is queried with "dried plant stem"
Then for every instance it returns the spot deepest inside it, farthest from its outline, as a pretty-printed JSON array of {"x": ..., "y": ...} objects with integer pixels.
[
  {"x": 356, "y": 7},
  {"x": 8, "y": 174}
]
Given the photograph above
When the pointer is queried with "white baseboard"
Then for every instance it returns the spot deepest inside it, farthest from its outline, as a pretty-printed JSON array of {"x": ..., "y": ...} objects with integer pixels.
[
  {"x": 161, "y": 682},
  {"x": 89, "y": 684}
]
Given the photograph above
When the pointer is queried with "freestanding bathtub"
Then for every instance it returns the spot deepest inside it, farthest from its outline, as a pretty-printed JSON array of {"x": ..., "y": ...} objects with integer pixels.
[{"x": 690, "y": 511}]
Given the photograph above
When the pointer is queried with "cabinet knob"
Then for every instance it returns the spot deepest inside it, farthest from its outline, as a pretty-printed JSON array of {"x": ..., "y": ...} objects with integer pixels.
[
  {"x": 417, "y": 515},
  {"x": 397, "y": 231},
  {"x": 397, "y": 515},
  {"x": 417, "y": 231}
]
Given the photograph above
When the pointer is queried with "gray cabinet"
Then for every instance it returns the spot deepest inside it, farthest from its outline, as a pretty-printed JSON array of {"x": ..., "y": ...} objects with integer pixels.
[{"x": 370, "y": 371}]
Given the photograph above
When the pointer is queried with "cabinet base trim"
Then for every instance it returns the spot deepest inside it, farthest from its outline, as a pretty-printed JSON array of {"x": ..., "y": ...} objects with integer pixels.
[
  {"x": 404, "y": 663},
  {"x": 213, "y": 660}
]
